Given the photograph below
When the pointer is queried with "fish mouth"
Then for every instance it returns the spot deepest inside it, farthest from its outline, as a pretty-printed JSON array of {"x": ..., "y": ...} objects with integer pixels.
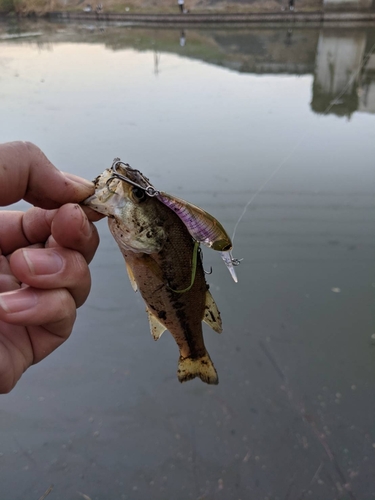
[{"x": 108, "y": 194}]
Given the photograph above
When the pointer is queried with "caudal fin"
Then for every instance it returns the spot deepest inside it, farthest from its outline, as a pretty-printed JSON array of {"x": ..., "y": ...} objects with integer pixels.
[{"x": 202, "y": 367}]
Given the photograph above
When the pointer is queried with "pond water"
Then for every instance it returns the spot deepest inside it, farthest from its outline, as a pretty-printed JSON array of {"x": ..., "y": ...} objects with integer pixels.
[{"x": 284, "y": 117}]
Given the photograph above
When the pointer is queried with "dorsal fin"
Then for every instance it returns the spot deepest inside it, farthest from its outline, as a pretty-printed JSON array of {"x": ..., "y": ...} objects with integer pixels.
[
  {"x": 156, "y": 327},
  {"x": 212, "y": 314}
]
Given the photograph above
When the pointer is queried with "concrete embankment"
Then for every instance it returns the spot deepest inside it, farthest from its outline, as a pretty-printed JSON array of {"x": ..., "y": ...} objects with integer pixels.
[{"x": 190, "y": 18}]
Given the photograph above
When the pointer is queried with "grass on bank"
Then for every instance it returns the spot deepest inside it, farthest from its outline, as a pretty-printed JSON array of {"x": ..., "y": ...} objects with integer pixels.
[
  {"x": 25, "y": 7},
  {"x": 40, "y": 7}
]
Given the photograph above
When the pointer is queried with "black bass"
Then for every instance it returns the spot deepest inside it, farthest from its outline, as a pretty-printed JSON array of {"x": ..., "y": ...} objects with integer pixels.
[{"x": 163, "y": 263}]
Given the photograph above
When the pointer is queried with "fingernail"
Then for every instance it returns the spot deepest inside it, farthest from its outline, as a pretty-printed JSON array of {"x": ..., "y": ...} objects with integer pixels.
[
  {"x": 41, "y": 262},
  {"x": 18, "y": 300},
  {"x": 85, "y": 226}
]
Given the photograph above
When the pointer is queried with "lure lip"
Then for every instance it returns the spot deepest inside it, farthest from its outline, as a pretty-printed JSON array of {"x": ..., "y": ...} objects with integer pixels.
[{"x": 230, "y": 262}]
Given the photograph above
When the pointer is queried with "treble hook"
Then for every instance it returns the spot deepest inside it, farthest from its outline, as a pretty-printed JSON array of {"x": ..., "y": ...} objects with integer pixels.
[
  {"x": 149, "y": 189},
  {"x": 236, "y": 262},
  {"x": 201, "y": 257}
]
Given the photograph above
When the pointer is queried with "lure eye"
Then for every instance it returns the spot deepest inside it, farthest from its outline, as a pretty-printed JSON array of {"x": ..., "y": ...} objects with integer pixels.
[{"x": 139, "y": 194}]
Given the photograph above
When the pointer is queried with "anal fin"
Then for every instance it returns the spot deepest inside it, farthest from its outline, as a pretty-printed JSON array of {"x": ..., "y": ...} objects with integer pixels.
[
  {"x": 156, "y": 327},
  {"x": 211, "y": 314}
]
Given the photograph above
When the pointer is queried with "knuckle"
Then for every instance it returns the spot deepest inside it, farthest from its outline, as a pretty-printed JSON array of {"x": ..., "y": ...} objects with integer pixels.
[
  {"x": 7, "y": 381},
  {"x": 31, "y": 148},
  {"x": 5, "y": 388},
  {"x": 79, "y": 266},
  {"x": 65, "y": 307}
]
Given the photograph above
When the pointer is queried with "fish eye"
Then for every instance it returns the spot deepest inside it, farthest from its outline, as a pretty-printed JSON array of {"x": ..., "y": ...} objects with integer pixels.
[{"x": 139, "y": 194}]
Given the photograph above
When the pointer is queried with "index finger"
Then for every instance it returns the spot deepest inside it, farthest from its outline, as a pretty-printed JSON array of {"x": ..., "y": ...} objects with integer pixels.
[{"x": 26, "y": 173}]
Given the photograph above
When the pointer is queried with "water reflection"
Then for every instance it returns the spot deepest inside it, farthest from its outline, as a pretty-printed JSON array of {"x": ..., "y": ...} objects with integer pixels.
[
  {"x": 367, "y": 86},
  {"x": 344, "y": 77},
  {"x": 182, "y": 38},
  {"x": 338, "y": 59}
]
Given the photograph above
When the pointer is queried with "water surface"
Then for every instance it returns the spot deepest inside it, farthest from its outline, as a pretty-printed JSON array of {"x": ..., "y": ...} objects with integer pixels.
[{"x": 208, "y": 115}]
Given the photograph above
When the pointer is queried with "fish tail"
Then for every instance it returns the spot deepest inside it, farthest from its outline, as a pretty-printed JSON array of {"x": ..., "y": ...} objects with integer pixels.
[{"x": 189, "y": 368}]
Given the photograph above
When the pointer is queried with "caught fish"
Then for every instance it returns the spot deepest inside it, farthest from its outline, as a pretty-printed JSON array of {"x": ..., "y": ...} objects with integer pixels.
[{"x": 164, "y": 263}]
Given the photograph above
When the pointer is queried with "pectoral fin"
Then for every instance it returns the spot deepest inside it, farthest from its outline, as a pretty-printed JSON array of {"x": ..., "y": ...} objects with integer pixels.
[
  {"x": 153, "y": 267},
  {"x": 131, "y": 277},
  {"x": 156, "y": 327},
  {"x": 212, "y": 314}
]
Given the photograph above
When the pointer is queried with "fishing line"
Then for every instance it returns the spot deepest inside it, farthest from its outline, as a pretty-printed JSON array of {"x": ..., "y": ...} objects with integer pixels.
[
  {"x": 296, "y": 146},
  {"x": 193, "y": 269}
]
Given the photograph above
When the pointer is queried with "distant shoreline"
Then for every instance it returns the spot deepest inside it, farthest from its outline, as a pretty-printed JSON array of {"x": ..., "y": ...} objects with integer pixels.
[{"x": 191, "y": 18}]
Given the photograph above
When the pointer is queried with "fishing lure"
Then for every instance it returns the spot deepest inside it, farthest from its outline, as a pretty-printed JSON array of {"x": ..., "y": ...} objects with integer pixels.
[{"x": 202, "y": 226}]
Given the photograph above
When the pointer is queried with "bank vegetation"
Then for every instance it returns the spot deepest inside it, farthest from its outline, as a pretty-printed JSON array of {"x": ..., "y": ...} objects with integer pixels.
[{"x": 40, "y": 7}]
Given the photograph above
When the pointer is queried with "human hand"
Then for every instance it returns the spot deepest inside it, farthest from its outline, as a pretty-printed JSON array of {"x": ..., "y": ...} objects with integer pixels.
[{"x": 44, "y": 256}]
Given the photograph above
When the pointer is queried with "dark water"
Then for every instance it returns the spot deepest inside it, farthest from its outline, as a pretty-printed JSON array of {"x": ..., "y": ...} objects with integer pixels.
[{"x": 293, "y": 417}]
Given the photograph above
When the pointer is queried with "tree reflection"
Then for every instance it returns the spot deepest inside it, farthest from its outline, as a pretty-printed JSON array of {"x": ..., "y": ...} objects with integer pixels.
[{"x": 341, "y": 61}]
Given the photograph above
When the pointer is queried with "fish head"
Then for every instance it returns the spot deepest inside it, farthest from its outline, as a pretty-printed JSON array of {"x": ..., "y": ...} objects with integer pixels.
[{"x": 134, "y": 218}]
